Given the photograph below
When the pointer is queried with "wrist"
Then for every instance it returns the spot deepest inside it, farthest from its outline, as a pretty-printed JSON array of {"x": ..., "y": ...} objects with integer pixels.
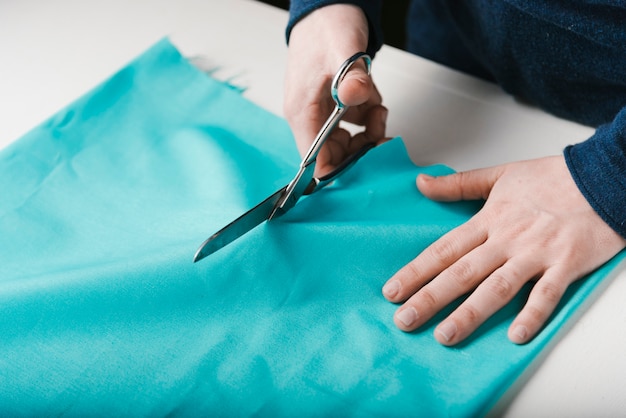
[{"x": 340, "y": 30}]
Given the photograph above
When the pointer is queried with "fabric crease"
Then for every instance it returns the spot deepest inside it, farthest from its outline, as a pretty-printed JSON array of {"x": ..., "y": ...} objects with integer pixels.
[{"x": 102, "y": 311}]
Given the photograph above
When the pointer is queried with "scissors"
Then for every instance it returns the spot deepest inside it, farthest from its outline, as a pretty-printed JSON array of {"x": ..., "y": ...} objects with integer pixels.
[{"x": 304, "y": 183}]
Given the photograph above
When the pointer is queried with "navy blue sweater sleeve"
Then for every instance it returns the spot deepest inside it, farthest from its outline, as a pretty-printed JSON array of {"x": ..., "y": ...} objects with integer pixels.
[
  {"x": 372, "y": 9},
  {"x": 568, "y": 59},
  {"x": 598, "y": 167}
]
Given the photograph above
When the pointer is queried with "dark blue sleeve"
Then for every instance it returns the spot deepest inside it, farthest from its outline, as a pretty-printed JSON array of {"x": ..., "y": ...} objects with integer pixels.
[
  {"x": 372, "y": 9},
  {"x": 598, "y": 167}
]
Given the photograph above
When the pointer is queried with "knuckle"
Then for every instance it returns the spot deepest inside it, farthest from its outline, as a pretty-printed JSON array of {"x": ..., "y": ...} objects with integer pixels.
[
  {"x": 549, "y": 292},
  {"x": 500, "y": 286},
  {"x": 536, "y": 314},
  {"x": 412, "y": 270},
  {"x": 517, "y": 229},
  {"x": 444, "y": 251},
  {"x": 470, "y": 315},
  {"x": 459, "y": 179},
  {"x": 427, "y": 298},
  {"x": 462, "y": 273}
]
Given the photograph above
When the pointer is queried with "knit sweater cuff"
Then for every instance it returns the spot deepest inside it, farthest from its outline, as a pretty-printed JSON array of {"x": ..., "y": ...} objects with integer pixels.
[{"x": 598, "y": 167}]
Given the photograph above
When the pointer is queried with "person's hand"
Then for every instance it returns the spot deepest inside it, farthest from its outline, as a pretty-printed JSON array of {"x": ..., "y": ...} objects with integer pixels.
[
  {"x": 534, "y": 225},
  {"x": 318, "y": 45}
]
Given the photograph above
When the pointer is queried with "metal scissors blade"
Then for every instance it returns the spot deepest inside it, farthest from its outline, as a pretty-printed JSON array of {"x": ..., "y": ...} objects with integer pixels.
[
  {"x": 239, "y": 226},
  {"x": 303, "y": 183}
]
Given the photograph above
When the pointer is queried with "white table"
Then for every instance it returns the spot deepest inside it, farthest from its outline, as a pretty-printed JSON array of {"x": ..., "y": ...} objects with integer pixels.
[{"x": 53, "y": 51}]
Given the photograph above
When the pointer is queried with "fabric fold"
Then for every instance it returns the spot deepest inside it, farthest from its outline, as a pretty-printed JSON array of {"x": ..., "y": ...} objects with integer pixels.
[{"x": 102, "y": 311}]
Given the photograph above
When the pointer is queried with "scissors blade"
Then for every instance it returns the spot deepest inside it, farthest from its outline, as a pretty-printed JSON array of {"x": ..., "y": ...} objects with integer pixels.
[{"x": 239, "y": 226}]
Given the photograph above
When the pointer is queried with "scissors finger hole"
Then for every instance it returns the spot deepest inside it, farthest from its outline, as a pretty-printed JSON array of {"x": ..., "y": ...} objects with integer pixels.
[{"x": 343, "y": 70}]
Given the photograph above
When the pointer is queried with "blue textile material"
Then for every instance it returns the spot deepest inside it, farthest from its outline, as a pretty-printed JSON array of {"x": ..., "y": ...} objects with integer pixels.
[
  {"x": 103, "y": 313},
  {"x": 567, "y": 57}
]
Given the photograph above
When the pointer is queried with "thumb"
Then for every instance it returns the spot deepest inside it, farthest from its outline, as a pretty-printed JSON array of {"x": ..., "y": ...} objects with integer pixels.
[
  {"x": 467, "y": 185},
  {"x": 356, "y": 87}
]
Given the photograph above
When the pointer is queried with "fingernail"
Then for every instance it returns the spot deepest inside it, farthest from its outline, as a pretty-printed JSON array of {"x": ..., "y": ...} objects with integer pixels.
[
  {"x": 427, "y": 176},
  {"x": 447, "y": 330},
  {"x": 391, "y": 289},
  {"x": 520, "y": 333},
  {"x": 407, "y": 316}
]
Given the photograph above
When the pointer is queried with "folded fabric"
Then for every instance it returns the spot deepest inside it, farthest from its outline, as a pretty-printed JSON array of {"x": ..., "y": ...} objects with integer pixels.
[{"x": 102, "y": 311}]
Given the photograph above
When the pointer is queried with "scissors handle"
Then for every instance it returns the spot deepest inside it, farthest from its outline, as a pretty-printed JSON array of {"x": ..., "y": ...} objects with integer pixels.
[
  {"x": 340, "y": 107},
  {"x": 304, "y": 179},
  {"x": 319, "y": 183}
]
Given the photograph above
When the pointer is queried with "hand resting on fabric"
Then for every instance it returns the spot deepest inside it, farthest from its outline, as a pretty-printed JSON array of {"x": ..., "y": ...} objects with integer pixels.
[{"x": 534, "y": 226}]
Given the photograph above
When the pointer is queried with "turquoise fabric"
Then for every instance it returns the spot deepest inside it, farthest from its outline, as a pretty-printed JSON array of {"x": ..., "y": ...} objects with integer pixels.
[{"x": 103, "y": 313}]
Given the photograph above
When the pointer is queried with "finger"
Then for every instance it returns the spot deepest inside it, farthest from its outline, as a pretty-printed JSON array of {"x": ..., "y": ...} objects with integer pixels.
[
  {"x": 359, "y": 114},
  {"x": 489, "y": 297},
  {"x": 374, "y": 132},
  {"x": 306, "y": 123},
  {"x": 376, "y": 125},
  {"x": 434, "y": 259},
  {"x": 542, "y": 301},
  {"x": 468, "y": 185},
  {"x": 455, "y": 281},
  {"x": 356, "y": 87},
  {"x": 334, "y": 152},
  {"x": 340, "y": 144}
]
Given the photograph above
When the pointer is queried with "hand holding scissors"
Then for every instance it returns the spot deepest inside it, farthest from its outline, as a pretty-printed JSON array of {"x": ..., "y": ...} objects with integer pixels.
[{"x": 303, "y": 183}]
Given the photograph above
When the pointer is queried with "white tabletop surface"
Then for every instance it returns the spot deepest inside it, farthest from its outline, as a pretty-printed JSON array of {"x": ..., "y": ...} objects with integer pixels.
[{"x": 52, "y": 51}]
